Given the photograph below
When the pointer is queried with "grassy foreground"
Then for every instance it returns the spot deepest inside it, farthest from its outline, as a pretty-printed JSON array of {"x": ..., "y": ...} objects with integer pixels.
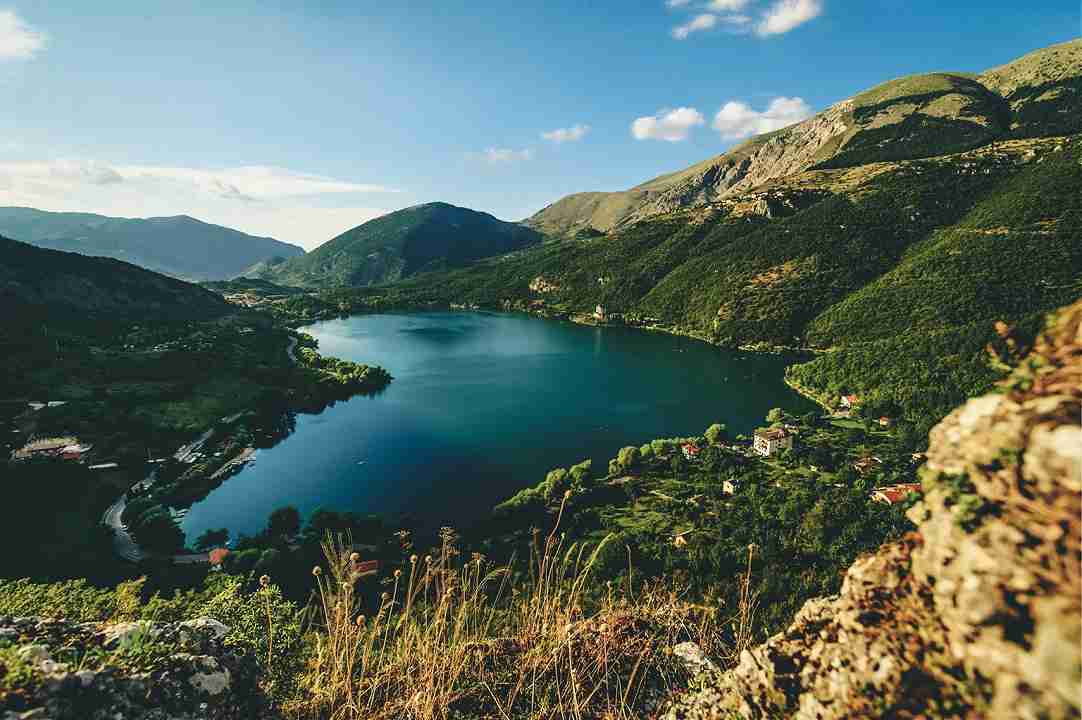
[{"x": 451, "y": 636}]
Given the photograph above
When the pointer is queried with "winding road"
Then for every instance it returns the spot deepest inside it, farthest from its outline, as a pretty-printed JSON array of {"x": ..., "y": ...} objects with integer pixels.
[{"x": 124, "y": 544}]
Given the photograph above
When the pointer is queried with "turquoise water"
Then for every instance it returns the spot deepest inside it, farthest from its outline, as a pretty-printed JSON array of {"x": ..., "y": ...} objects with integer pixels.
[{"x": 483, "y": 405}]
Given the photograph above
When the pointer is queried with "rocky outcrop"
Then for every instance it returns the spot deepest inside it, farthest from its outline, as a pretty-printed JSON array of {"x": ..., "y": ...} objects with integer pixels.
[
  {"x": 57, "y": 670},
  {"x": 979, "y": 612}
]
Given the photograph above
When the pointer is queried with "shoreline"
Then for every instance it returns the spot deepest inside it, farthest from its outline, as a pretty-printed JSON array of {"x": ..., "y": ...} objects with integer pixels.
[
  {"x": 124, "y": 544},
  {"x": 805, "y": 392}
]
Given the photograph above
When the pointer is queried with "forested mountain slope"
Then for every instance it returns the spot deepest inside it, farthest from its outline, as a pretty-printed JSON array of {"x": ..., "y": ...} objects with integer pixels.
[
  {"x": 401, "y": 244},
  {"x": 180, "y": 246},
  {"x": 899, "y": 269},
  {"x": 919, "y": 116}
]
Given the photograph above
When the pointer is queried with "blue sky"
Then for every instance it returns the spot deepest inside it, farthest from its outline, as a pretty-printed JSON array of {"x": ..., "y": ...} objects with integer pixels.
[{"x": 300, "y": 120}]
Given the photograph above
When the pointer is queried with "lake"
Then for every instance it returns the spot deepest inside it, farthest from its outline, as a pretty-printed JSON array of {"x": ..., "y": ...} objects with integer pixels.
[{"x": 483, "y": 405}]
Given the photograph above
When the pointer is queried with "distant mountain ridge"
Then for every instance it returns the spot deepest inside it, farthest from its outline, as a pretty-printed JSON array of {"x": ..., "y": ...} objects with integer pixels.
[
  {"x": 180, "y": 246},
  {"x": 919, "y": 116},
  {"x": 433, "y": 236}
]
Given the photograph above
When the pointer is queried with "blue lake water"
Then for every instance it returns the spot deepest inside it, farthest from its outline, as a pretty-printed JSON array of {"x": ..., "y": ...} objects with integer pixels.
[{"x": 484, "y": 404}]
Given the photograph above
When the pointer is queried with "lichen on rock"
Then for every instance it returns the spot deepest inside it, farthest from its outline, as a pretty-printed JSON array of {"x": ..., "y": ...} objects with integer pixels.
[{"x": 60, "y": 670}]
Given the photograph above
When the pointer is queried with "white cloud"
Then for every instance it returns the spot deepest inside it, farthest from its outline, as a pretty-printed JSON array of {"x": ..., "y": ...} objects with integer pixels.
[
  {"x": 728, "y": 5},
  {"x": 784, "y": 15},
  {"x": 677, "y": 3},
  {"x": 737, "y": 120},
  {"x": 569, "y": 134},
  {"x": 669, "y": 125},
  {"x": 253, "y": 182},
  {"x": 698, "y": 23},
  {"x": 298, "y": 207},
  {"x": 18, "y": 41},
  {"x": 499, "y": 156}
]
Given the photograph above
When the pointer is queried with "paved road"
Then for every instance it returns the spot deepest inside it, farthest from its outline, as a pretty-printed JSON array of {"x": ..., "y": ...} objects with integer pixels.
[{"x": 123, "y": 543}]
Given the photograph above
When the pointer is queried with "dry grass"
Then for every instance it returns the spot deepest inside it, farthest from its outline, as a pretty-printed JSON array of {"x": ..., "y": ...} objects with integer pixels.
[{"x": 461, "y": 637}]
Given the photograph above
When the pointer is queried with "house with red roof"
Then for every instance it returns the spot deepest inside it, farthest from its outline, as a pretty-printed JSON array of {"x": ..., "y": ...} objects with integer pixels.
[
  {"x": 849, "y": 401},
  {"x": 217, "y": 556},
  {"x": 892, "y": 494}
]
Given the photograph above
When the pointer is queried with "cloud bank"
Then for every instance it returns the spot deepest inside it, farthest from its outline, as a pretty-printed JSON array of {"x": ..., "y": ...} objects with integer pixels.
[
  {"x": 503, "y": 156},
  {"x": 779, "y": 17},
  {"x": 736, "y": 120},
  {"x": 297, "y": 207},
  {"x": 706, "y": 21},
  {"x": 18, "y": 40},
  {"x": 786, "y": 15},
  {"x": 668, "y": 125},
  {"x": 569, "y": 134}
]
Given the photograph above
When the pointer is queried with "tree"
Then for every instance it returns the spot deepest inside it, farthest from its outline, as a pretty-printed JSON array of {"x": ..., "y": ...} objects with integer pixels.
[
  {"x": 284, "y": 522},
  {"x": 156, "y": 531},
  {"x": 776, "y": 415},
  {"x": 243, "y": 562},
  {"x": 555, "y": 484},
  {"x": 628, "y": 457},
  {"x": 581, "y": 476},
  {"x": 715, "y": 433},
  {"x": 212, "y": 539},
  {"x": 268, "y": 559},
  {"x": 855, "y": 436},
  {"x": 660, "y": 447}
]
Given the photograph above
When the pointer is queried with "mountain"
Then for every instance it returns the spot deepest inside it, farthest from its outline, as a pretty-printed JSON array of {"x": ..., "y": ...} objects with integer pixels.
[
  {"x": 913, "y": 117},
  {"x": 894, "y": 257},
  {"x": 401, "y": 244},
  {"x": 39, "y": 285},
  {"x": 180, "y": 246}
]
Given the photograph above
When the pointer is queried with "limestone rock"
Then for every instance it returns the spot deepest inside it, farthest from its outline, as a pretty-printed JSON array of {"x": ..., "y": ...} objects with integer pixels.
[
  {"x": 135, "y": 671},
  {"x": 979, "y": 609}
]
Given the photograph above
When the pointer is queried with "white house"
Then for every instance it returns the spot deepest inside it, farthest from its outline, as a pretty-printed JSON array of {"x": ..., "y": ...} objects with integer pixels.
[
  {"x": 849, "y": 401},
  {"x": 770, "y": 441}
]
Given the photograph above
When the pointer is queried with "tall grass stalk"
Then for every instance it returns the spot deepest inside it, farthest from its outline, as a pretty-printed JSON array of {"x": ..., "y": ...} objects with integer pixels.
[{"x": 457, "y": 634}]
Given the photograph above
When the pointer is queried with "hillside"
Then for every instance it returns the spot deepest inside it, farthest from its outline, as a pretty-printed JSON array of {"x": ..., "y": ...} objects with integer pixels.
[
  {"x": 976, "y": 614},
  {"x": 63, "y": 287},
  {"x": 180, "y": 246},
  {"x": 890, "y": 254},
  {"x": 426, "y": 237},
  {"x": 1038, "y": 95},
  {"x": 656, "y": 593}
]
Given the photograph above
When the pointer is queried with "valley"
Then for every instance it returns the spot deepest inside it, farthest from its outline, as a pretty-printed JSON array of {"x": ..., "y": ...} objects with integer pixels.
[{"x": 825, "y": 369}]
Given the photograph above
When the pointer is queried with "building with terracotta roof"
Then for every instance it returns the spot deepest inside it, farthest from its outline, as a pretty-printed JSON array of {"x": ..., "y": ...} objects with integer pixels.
[
  {"x": 51, "y": 447},
  {"x": 691, "y": 451},
  {"x": 892, "y": 494},
  {"x": 217, "y": 556}
]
